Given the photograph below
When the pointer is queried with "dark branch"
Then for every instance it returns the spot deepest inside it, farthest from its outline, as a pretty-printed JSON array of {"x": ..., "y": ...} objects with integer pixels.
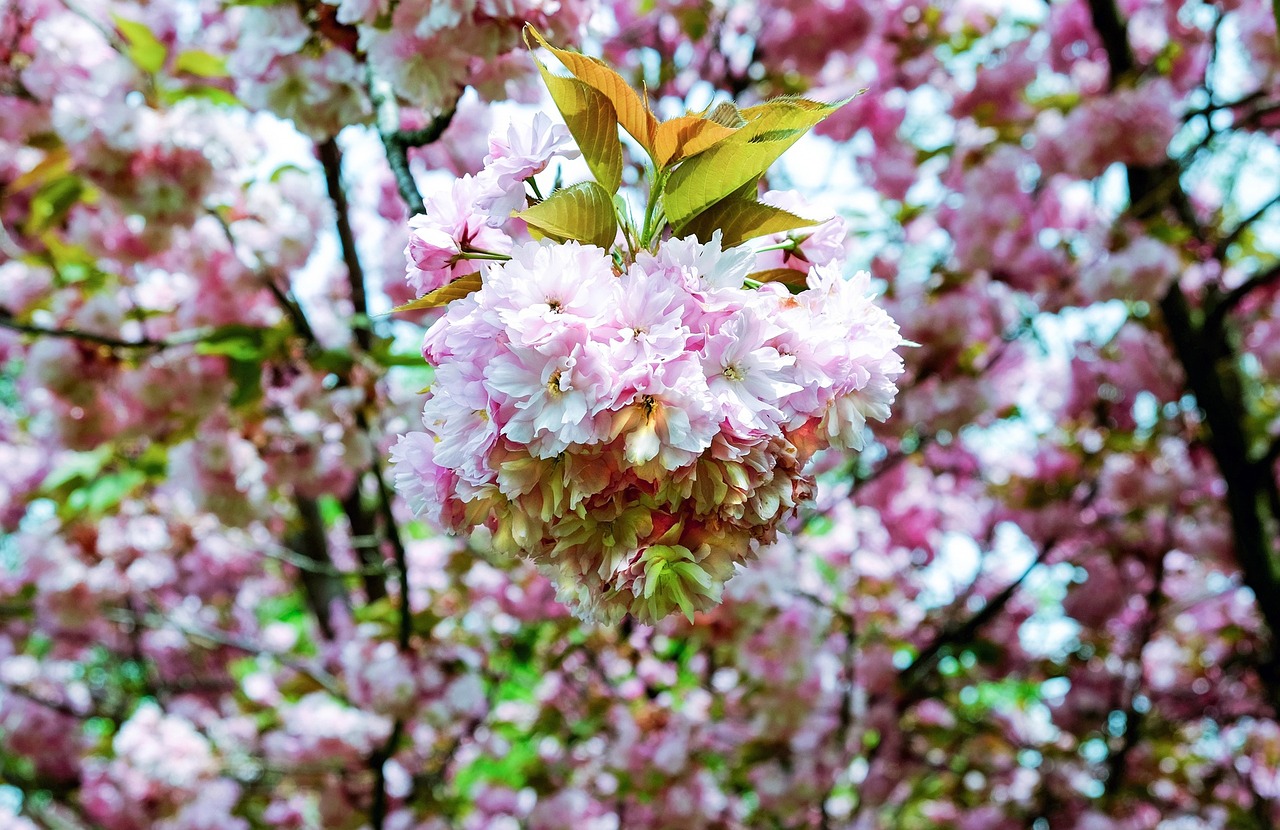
[
  {"x": 1221, "y": 248},
  {"x": 428, "y": 134},
  {"x": 284, "y": 297},
  {"x": 322, "y": 587},
  {"x": 405, "y": 629},
  {"x": 377, "y": 764},
  {"x": 397, "y": 143},
  {"x": 1212, "y": 377},
  {"x": 1271, "y": 456},
  {"x": 1246, "y": 484},
  {"x": 363, "y": 523},
  {"x": 913, "y": 675},
  {"x": 1106, "y": 20},
  {"x": 1118, "y": 762},
  {"x": 142, "y": 343},
  {"x": 1217, "y": 314},
  {"x": 331, "y": 160},
  {"x": 312, "y": 670}
]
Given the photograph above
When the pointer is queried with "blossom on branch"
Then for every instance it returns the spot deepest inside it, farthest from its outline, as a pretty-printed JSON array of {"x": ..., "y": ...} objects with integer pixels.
[{"x": 636, "y": 422}]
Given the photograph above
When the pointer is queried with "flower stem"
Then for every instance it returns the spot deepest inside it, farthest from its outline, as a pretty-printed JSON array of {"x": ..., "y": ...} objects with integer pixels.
[
  {"x": 484, "y": 255},
  {"x": 651, "y": 209},
  {"x": 786, "y": 245}
]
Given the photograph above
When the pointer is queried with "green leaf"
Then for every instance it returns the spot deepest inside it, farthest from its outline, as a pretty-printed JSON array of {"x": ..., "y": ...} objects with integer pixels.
[
  {"x": 108, "y": 491},
  {"x": 200, "y": 92},
  {"x": 445, "y": 294},
  {"x": 583, "y": 212},
  {"x": 338, "y": 361},
  {"x": 788, "y": 276},
  {"x": 510, "y": 769},
  {"x": 238, "y": 342},
  {"x": 52, "y": 201},
  {"x": 633, "y": 111},
  {"x": 81, "y": 466},
  {"x": 246, "y": 379},
  {"x": 740, "y": 220},
  {"x": 55, "y": 163},
  {"x": 593, "y": 122},
  {"x": 742, "y": 157},
  {"x": 145, "y": 49},
  {"x": 284, "y": 169},
  {"x": 385, "y": 355},
  {"x": 201, "y": 63},
  {"x": 100, "y": 492},
  {"x": 330, "y": 509}
]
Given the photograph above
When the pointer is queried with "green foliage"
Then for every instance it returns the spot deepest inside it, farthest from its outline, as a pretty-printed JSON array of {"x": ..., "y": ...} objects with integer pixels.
[
  {"x": 52, "y": 202},
  {"x": 739, "y": 160},
  {"x": 93, "y": 483},
  {"x": 787, "y": 276},
  {"x": 582, "y": 211},
  {"x": 246, "y": 348},
  {"x": 632, "y": 111},
  {"x": 740, "y": 219},
  {"x": 687, "y": 136},
  {"x": 593, "y": 122},
  {"x": 201, "y": 63},
  {"x": 199, "y": 92},
  {"x": 706, "y": 166},
  {"x": 143, "y": 47}
]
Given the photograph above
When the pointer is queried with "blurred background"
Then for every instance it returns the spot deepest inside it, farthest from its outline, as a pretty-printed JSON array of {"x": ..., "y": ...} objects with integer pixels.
[{"x": 1045, "y": 596}]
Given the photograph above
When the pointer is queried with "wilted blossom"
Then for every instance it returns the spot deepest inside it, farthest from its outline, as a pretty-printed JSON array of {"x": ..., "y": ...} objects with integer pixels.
[{"x": 638, "y": 429}]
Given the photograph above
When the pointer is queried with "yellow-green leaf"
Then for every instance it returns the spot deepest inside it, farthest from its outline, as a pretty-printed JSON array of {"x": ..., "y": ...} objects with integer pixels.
[
  {"x": 583, "y": 212},
  {"x": 787, "y": 276},
  {"x": 795, "y": 103},
  {"x": 633, "y": 112},
  {"x": 740, "y": 220},
  {"x": 456, "y": 290},
  {"x": 686, "y": 136},
  {"x": 212, "y": 94},
  {"x": 52, "y": 202},
  {"x": 742, "y": 157},
  {"x": 201, "y": 63},
  {"x": 593, "y": 123},
  {"x": 144, "y": 48}
]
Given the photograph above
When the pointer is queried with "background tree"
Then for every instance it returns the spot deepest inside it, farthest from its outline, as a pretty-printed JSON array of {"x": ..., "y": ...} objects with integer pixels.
[{"x": 1047, "y": 596}]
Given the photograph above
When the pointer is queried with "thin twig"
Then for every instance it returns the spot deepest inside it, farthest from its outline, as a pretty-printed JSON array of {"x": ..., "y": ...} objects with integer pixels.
[
  {"x": 284, "y": 297},
  {"x": 186, "y": 338},
  {"x": 331, "y": 160},
  {"x": 1118, "y": 762}
]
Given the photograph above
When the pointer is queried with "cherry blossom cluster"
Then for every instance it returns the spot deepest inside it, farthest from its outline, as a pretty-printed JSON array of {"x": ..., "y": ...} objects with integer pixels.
[{"x": 636, "y": 427}]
